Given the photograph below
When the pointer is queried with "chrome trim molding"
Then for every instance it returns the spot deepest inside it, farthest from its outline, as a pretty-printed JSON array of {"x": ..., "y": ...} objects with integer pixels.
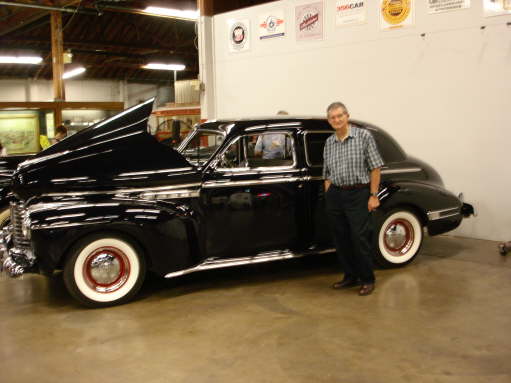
[
  {"x": 214, "y": 263},
  {"x": 123, "y": 191},
  {"x": 155, "y": 172},
  {"x": 215, "y": 184},
  {"x": 444, "y": 213},
  {"x": 173, "y": 194},
  {"x": 402, "y": 170}
]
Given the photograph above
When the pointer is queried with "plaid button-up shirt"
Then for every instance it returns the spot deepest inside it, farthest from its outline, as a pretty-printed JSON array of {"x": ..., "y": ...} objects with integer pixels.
[{"x": 349, "y": 162}]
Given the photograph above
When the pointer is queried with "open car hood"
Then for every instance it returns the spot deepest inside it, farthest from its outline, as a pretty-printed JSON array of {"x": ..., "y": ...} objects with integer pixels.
[{"x": 114, "y": 153}]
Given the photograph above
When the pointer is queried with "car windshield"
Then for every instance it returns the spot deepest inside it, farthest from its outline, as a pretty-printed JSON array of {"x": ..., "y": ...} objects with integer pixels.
[{"x": 200, "y": 146}]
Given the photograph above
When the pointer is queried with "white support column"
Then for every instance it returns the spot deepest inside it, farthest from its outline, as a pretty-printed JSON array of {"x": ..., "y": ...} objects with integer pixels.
[
  {"x": 28, "y": 90},
  {"x": 206, "y": 68}
]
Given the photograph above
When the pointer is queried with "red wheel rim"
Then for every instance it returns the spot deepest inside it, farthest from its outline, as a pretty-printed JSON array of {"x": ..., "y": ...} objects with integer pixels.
[
  {"x": 398, "y": 237},
  {"x": 106, "y": 269}
]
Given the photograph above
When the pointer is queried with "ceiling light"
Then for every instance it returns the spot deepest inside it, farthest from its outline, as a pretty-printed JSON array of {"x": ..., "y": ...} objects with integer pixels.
[
  {"x": 20, "y": 60},
  {"x": 164, "y": 66},
  {"x": 73, "y": 72},
  {"x": 188, "y": 15}
]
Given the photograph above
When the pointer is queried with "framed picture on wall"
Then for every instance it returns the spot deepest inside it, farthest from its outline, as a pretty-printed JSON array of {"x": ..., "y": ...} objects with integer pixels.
[
  {"x": 309, "y": 20},
  {"x": 19, "y": 133},
  {"x": 439, "y": 6},
  {"x": 349, "y": 12},
  {"x": 396, "y": 14},
  {"x": 272, "y": 25},
  {"x": 239, "y": 35}
]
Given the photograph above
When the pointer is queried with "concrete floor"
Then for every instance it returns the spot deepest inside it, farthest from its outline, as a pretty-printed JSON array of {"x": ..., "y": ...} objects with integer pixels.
[{"x": 444, "y": 318}]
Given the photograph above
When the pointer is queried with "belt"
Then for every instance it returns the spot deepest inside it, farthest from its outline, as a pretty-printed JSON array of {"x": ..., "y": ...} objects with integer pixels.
[{"x": 352, "y": 187}]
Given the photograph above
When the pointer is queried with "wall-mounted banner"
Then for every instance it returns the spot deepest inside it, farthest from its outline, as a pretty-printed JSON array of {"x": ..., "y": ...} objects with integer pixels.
[
  {"x": 239, "y": 35},
  {"x": 396, "y": 13},
  {"x": 437, "y": 6},
  {"x": 496, "y": 7},
  {"x": 272, "y": 25},
  {"x": 350, "y": 12},
  {"x": 309, "y": 21}
]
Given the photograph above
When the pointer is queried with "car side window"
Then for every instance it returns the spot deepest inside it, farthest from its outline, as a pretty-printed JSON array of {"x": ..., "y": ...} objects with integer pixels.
[
  {"x": 314, "y": 144},
  {"x": 259, "y": 150},
  {"x": 270, "y": 149}
]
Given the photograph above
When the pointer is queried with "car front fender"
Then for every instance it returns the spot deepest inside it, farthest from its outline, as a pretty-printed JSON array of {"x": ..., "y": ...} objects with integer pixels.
[{"x": 167, "y": 232}]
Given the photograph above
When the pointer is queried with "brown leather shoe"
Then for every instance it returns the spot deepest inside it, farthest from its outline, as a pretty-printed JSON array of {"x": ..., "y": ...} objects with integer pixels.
[
  {"x": 366, "y": 289},
  {"x": 345, "y": 283}
]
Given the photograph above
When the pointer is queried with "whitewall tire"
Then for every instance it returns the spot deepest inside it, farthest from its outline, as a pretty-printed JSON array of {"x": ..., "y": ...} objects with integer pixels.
[
  {"x": 104, "y": 270},
  {"x": 399, "y": 238}
]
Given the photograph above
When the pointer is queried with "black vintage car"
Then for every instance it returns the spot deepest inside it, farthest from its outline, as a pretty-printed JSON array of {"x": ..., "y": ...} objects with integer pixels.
[
  {"x": 8, "y": 165},
  {"x": 110, "y": 203}
]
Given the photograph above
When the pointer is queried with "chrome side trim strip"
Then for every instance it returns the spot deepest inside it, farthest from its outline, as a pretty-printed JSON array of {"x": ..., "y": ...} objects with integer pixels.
[
  {"x": 214, "y": 263},
  {"x": 444, "y": 213},
  {"x": 215, "y": 184},
  {"x": 172, "y": 194},
  {"x": 155, "y": 172},
  {"x": 402, "y": 170},
  {"x": 121, "y": 191}
]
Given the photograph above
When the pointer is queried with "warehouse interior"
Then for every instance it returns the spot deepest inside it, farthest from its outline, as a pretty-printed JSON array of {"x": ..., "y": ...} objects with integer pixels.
[{"x": 438, "y": 82}]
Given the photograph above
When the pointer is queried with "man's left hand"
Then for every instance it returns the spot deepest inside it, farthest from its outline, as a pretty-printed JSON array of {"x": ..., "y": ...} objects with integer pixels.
[{"x": 373, "y": 203}]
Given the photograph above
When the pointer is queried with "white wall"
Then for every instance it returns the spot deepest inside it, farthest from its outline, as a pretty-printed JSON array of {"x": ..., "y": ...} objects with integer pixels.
[
  {"x": 85, "y": 90},
  {"x": 445, "y": 97}
]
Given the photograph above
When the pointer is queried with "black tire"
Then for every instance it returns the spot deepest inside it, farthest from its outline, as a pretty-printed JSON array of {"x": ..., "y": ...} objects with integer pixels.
[
  {"x": 398, "y": 238},
  {"x": 104, "y": 270}
]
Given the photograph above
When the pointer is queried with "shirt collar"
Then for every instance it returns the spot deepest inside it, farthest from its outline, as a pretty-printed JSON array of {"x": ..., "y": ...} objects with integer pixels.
[{"x": 352, "y": 132}]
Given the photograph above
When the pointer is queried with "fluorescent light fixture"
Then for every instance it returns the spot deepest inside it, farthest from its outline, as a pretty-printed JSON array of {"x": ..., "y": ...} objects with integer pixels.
[
  {"x": 20, "y": 60},
  {"x": 73, "y": 72},
  {"x": 188, "y": 15},
  {"x": 164, "y": 66}
]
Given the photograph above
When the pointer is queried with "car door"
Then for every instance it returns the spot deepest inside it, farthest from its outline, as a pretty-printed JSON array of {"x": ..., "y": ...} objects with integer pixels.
[
  {"x": 318, "y": 226},
  {"x": 252, "y": 205}
]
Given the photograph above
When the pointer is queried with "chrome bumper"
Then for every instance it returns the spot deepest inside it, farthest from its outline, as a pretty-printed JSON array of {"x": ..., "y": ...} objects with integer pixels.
[{"x": 13, "y": 261}]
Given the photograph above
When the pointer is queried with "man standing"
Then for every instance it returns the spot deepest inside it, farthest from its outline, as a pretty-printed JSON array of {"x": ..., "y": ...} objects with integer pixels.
[{"x": 352, "y": 178}]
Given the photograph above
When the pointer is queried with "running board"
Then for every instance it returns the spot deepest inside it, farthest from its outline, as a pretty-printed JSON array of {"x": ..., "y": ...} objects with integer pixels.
[{"x": 215, "y": 263}]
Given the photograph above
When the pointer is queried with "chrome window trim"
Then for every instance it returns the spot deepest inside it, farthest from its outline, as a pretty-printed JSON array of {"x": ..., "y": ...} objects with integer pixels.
[
  {"x": 260, "y": 168},
  {"x": 192, "y": 134},
  {"x": 305, "y": 134}
]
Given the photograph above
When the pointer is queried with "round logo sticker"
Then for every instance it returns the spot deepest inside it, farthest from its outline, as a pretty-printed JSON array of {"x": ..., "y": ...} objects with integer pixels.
[
  {"x": 239, "y": 35},
  {"x": 395, "y": 11}
]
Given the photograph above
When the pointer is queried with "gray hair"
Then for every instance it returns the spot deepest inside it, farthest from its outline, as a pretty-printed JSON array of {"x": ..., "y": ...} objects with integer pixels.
[{"x": 335, "y": 105}]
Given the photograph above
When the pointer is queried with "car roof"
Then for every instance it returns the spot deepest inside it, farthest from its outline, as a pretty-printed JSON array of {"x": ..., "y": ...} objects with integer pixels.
[
  {"x": 239, "y": 126},
  {"x": 234, "y": 127}
]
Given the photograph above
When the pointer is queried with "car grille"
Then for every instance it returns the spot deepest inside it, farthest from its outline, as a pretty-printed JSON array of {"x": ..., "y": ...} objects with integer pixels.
[{"x": 18, "y": 212}]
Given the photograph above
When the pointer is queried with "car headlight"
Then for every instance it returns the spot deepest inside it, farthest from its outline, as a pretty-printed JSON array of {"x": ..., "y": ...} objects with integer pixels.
[{"x": 25, "y": 227}]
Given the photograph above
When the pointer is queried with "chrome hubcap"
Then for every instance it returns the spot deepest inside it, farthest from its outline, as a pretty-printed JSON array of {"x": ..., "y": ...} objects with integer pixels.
[
  {"x": 106, "y": 269},
  {"x": 398, "y": 237}
]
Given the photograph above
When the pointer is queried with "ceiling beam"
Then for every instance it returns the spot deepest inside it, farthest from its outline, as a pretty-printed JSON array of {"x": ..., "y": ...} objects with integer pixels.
[{"x": 27, "y": 15}]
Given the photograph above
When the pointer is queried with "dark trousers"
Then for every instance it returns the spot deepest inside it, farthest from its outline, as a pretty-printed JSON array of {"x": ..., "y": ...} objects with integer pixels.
[{"x": 352, "y": 229}]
